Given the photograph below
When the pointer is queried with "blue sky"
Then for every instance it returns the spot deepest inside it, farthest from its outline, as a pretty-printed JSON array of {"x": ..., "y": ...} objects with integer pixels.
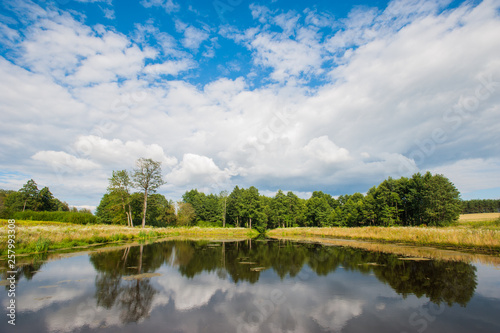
[{"x": 292, "y": 95}]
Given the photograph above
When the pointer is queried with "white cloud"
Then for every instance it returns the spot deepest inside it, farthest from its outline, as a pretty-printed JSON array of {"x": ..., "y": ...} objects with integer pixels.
[
  {"x": 336, "y": 313},
  {"x": 197, "y": 170},
  {"x": 169, "y": 5},
  {"x": 58, "y": 159},
  {"x": 170, "y": 67},
  {"x": 326, "y": 151},
  {"x": 387, "y": 81},
  {"x": 193, "y": 37},
  {"x": 470, "y": 175},
  {"x": 117, "y": 152}
]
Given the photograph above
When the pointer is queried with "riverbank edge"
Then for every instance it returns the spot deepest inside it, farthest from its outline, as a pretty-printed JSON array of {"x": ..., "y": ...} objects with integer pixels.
[
  {"x": 40, "y": 236},
  {"x": 481, "y": 241}
]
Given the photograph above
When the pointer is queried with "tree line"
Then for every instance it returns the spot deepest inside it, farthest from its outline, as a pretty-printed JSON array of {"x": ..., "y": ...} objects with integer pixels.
[
  {"x": 423, "y": 199},
  {"x": 481, "y": 206},
  {"x": 419, "y": 200},
  {"x": 29, "y": 198}
]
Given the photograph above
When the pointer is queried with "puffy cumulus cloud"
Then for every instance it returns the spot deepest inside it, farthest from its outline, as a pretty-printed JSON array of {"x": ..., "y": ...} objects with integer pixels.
[
  {"x": 200, "y": 170},
  {"x": 59, "y": 159},
  {"x": 410, "y": 87},
  {"x": 470, "y": 175},
  {"x": 336, "y": 313},
  {"x": 326, "y": 151},
  {"x": 169, "y": 5},
  {"x": 190, "y": 294},
  {"x": 193, "y": 37},
  {"x": 172, "y": 67},
  {"x": 116, "y": 152},
  {"x": 76, "y": 54}
]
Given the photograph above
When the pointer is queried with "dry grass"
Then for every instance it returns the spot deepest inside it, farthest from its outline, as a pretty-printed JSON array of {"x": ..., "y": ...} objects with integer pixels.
[
  {"x": 409, "y": 251},
  {"x": 38, "y": 236},
  {"x": 458, "y": 237},
  {"x": 479, "y": 217}
]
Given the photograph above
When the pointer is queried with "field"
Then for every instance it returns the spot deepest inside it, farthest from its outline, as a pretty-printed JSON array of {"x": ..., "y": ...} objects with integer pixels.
[
  {"x": 41, "y": 236},
  {"x": 479, "y": 217},
  {"x": 476, "y": 232}
]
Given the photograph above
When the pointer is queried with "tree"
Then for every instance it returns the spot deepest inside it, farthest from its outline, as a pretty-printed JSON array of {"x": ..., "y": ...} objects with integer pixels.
[
  {"x": 29, "y": 193},
  {"x": 119, "y": 184},
  {"x": 223, "y": 198},
  {"x": 147, "y": 177},
  {"x": 235, "y": 206},
  {"x": 442, "y": 200},
  {"x": 46, "y": 200},
  {"x": 185, "y": 213},
  {"x": 317, "y": 211},
  {"x": 252, "y": 206}
]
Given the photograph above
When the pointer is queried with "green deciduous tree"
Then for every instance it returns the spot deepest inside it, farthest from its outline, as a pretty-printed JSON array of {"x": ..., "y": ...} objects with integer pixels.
[
  {"x": 147, "y": 177},
  {"x": 119, "y": 186},
  {"x": 29, "y": 194}
]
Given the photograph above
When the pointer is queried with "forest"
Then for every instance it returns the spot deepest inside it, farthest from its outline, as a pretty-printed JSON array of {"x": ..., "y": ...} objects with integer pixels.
[{"x": 418, "y": 200}]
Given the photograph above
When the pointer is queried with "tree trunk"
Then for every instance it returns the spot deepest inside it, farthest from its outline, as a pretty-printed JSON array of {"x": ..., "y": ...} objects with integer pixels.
[
  {"x": 145, "y": 207},
  {"x": 125, "y": 210},
  {"x": 130, "y": 216},
  {"x": 250, "y": 223},
  {"x": 224, "y": 217}
]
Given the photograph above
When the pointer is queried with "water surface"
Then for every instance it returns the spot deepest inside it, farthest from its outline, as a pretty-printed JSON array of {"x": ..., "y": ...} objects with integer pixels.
[{"x": 253, "y": 286}]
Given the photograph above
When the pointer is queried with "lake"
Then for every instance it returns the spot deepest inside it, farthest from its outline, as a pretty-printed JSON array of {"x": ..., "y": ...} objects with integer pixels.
[{"x": 253, "y": 286}]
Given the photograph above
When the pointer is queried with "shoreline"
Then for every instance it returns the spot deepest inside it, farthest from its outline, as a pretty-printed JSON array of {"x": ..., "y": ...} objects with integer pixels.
[
  {"x": 476, "y": 240},
  {"x": 40, "y": 237}
]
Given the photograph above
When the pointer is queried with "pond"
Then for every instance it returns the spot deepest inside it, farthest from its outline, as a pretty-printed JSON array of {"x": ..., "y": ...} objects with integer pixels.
[{"x": 253, "y": 286}]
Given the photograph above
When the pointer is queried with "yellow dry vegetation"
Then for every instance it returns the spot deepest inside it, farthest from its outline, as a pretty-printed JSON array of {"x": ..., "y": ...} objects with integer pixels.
[
  {"x": 479, "y": 217},
  {"x": 460, "y": 237},
  {"x": 31, "y": 236}
]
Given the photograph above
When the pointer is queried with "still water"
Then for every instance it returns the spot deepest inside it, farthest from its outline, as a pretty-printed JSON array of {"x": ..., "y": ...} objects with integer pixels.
[{"x": 253, "y": 286}]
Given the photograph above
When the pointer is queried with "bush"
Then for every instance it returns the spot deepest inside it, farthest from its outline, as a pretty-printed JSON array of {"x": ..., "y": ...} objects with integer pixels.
[
  {"x": 205, "y": 224},
  {"x": 59, "y": 216}
]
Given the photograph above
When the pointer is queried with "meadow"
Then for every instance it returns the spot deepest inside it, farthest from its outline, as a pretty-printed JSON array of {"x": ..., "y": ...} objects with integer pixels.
[
  {"x": 475, "y": 232},
  {"x": 42, "y": 236}
]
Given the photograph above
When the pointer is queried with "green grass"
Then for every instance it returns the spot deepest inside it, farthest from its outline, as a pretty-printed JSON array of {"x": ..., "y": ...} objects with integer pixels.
[{"x": 43, "y": 236}]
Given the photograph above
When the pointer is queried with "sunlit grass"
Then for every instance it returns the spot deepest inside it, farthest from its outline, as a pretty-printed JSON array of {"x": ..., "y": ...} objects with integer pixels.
[
  {"x": 460, "y": 237},
  {"x": 41, "y": 236},
  {"x": 479, "y": 217}
]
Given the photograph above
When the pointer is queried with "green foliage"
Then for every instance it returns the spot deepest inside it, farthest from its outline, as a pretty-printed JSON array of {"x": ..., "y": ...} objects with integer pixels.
[
  {"x": 147, "y": 177},
  {"x": 480, "y": 206},
  {"x": 205, "y": 224},
  {"x": 207, "y": 207},
  {"x": 422, "y": 199},
  {"x": 42, "y": 245},
  {"x": 68, "y": 217},
  {"x": 29, "y": 198},
  {"x": 160, "y": 212}
]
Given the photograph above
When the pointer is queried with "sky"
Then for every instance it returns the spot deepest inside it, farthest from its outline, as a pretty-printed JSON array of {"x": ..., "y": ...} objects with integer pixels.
[{"x": 334, "y": 96}]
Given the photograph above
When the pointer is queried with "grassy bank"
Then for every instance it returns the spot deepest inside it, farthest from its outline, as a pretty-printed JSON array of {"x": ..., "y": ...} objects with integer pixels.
[
  {"x": 41, "y": 236},
  {"x": 460, "y": 237}
]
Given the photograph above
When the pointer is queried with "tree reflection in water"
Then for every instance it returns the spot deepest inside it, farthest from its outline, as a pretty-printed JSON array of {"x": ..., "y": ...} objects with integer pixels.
[{"x": 441, "y": 281}]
